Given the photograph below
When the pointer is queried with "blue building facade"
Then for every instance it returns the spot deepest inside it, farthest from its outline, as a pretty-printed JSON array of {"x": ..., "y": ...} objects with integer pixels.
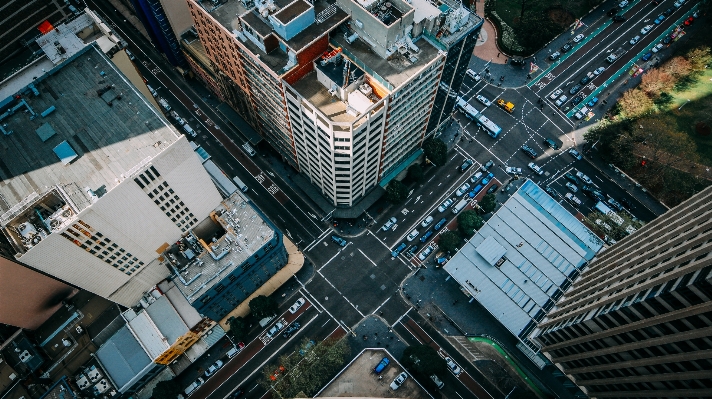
[{"x": 154, "y": 19}]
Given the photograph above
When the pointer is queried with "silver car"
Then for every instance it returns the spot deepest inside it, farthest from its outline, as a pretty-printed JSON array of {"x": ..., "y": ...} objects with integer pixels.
[{"x": 561, "y": 100}]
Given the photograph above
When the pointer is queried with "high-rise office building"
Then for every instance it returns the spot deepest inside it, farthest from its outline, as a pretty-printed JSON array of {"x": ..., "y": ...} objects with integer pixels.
[
  {"x": 343, "y": 90},
  {"x": 638, "y": 321},
  {"x": 164, "y": 21}
]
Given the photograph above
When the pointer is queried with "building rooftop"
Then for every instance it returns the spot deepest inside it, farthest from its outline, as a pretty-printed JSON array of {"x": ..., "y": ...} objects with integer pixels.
[
  {"x": 123, "y": 358},
  {"x": 357, "y": 379},
  {"x": 520, "y": 262},
  {"x": 217, "y": 246},
  {"x": 95, "y": 119}
]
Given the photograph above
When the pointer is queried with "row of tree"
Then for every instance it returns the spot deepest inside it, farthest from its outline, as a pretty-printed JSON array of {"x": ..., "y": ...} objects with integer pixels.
[
  {"x": 260, "y": 307},
  {"x": 468, "y": 222}
]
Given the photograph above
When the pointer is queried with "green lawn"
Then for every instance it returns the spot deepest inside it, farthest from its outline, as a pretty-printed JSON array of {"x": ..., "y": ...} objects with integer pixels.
[{"x": 698, "y": 108}]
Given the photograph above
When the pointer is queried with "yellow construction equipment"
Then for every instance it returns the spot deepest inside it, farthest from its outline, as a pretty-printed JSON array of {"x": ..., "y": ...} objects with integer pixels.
[{"x": 507, "y": 106}]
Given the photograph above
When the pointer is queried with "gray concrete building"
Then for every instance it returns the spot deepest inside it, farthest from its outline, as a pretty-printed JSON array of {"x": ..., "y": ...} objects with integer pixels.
[{"x": 638, "y": 321}]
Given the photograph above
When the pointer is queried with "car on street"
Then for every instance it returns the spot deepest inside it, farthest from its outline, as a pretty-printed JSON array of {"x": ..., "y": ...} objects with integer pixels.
[
  {"x": 647, "y": 56},
  {"x": 657, "y": 47},
  {"x": 555, "y": 56},
  {"x": 466, "y": 165},
  {"x": 291, "y": 329},
  {"x": 492, "y": 189},
  {"x": 668, "y": 39},
  {"x": 427, "y": 235},
  {"x": 575, "y": 154},
  {"x": 599, "y": 70},
  {"x": 555, "y": 94},
  {"x": 536, "y": 168},
  {"x": 659, "y": 19},
  {"x": 571, "y": 187},
  {"x": 592, "y": 103},
  {"x": 446, "y": 204},
  {"x": 411, "y": 251},
  {"x": 551, "y": 144},
  {"x": 338, "y": 240},
  {"x": 425, "y": 252},
  {"x": 452, "y": 366},
  {"x": 412, "y": 235},
  {"x": 679, "y": 3},
  {"x": 298, "y": 304},
  {"x": 462, "y": 190},
  {"x": 572, "y": 178},
  {"x": 381, "y": 365},
  {"x": 646, "y": 29},
  {"x": 389, "y": 224},
  {"x": 426, "y": 222},
  {"x": 474, "y": 75},
  {"x": 634, "y": 40},
  {"x": 213, "y": 368},
  {"x": 398, "y": 249},
  {"x": 440, "y": 224},
  {"x": 578, "y": 38},
  {"x": 485, "y": 167},
  {"x": 623, "y": 4},
  {"x": 193, "y": 386},
  {"x": 593, "y": 193},
  {"x": 614, "y": 204},
  {"x": 587, "y": 78},
  {"x": 476, "y": 177},
  {"x": 584, "y": 178},
  {"x": 575, "y": 89},
  {"x": 669, "y": 11},
  {"x": 399, "y": 380},
  {"x": 483, "y": 100},
  {"x": 576, "y": 100},
  {"x": 618, "y": 18},
  {"x": 566, "y": 47},
  {"x": 581, "y": 113},
  {"x": 275, "y": 329},
  {"x": 613, "y": 11},
  {"x": 513, "y": 171},
  {"x": 689, "y": 21},
  {"x": 236, "y": 393},
  {"x": 529, "y": 151},
  {"x": 561, "y": 100},
  {"x": 573, "y": 199}
]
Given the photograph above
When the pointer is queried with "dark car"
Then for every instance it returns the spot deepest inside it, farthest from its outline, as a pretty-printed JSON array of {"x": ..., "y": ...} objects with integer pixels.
[
  {"x": 613, "y": 11},
  {"x": 492, "y": 189},
  {"x": 551, "y": 144},
  {"x": 466, "y": 165},
  {"x": 585, "y": 80},
  {"x": 398, "y": 250},
  {"x": 593, "y": 193},
  {"x": 577, "y": 99},
  {"x": 236, "y": 393},
  {"x": 647, "y": 56},
  {"x": 566, "y": 47},
  {"x": 529, "y": 151},
  {"x": 411, "y": 251},
  {"x": 669, "y": 11},
  {"x": 291, "y": 329},
  {"x": 667, "y": 40},
  {"x": 627, "y": 204},
  {"x": 427, "y": 235},
  {"x": 619, "y": 18},
  {"x": 440, "y": 224},
  {"x": 552, "y": 192},
  {"x": 575, "y": 89},
  {"x": 573, "y": 179}
]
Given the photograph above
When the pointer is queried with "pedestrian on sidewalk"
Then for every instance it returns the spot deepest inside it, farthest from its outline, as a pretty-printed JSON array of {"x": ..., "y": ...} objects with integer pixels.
[{"x": 497, "y": 55}]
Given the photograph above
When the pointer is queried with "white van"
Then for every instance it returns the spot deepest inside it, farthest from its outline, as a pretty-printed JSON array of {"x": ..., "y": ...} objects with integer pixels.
[
  {"x": 232, "y": 352},
  {"x": 265, "y": 321},
  {"x": 240, "y": 184},
  {"x": 152, "y": 90},
  {"x": 460, "y": 206},
  {"x": 190, "y": 130},
  {"x": 164, "y": 104},
  {"x": 194, "y": 386},
  {"x": 412, "y": 235},
  {"x": 248, "y": 149}
]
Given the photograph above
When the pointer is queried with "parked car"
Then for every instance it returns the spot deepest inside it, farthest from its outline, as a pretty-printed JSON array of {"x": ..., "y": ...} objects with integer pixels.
[
  {"x": 536, "y": 168},
  {"x": 474, "y": 75},
  {"x": 669, "y": 11},
  {"x": 623, "y": 4},
  {"x": 389, "y": 224},
  {"x": 529, "y": 151},
  {"x": 646, "y": 29},
  {"x": 425, "y": 252},
  {"x": 492, "y": 189},
  {"x": 575, "y": 154},
  {"x": 452, "y": 366},
  {"x": 462, "y": 190},
  {"x": 575, "y": 89},
  {"x": 298, "y": 304},
  {"x": 614, "y": 204},
  {"x": 411, "y": 251},
  {"x": 668, "y": 39},
  {"x": 593, "y": 193},
  {"x": 593, "y": 102},
  {"x": 440, "y": 224},
  {"x": 427, "y": 235},
  {"x": 513, "y": 171},
  {"x": 551, "y": 144},
  {"x": 585, "y": 79},
  {"x": 275, "y": 329},
  {"x": 566, "y": 47},
  {"x": 679, "y": 3},
  {"x": 487, "y": 165},
  {"x": 599, "y": 70},
  {"x": 399, "y": 380},
  {"x": 659, "y": 19},
  {"x": 555, "y": 56},
  {"x": 426, "y": 222},
  {"x": 476, "y": 177},
  {"x": 634, "y": 40},
  {"x": 446, "y": 204},
  {"x": 340, "y": 241},
  {"x": 572, "y": 178},
  {"x": 657, "y": 47},
  {"x": 577, "y": 99},
  {"x": 381, "y": 365},
  {"x": 398, "y": 249},
  {"x": 571, "y": 187},
  {"x": 647, "y": 56},
  {"x": 291, "y": 329},
  {"x": 483, "y": 100},
  {"x": 466, "y": 165},
  {"x": 619, "y": 18},
  {"x": 553, "y": 193},
  {"x": 561, "y": 100},
  {"x": 556, "y": 94},
  {"x": 578, "y": 37},
  {"x": 573, "y": 199},
  {"x": 584, "y": 178},
  {"x": 689, "y": 21},
  {"x": 213, "y": 368}
]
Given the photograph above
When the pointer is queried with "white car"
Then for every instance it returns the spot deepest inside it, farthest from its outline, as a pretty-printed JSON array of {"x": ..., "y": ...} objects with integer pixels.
[
  {"x": 213, "y": 368},
  {"x": 275, "y": 329},
  {"x": 572, "y": 198},
  {"x": 298, "y": 304},
  {"x": 390, "y": 223},
  {"x": 536, "y": 168},
  {"x": 400, "y": 379},
  {"x": 561, "y": 100},
  {"x": 483, "y": 100},
  {"x": 476, "y": 177},
  {"x": 454, "y": 368},
  {"x": 623, "y": 4},
  {"x": 446, "y": 204},
  {"x": 578, "y": 37},
  {"x": 583, "y": 177},
  {"x": 413, "y": 234},
  {"x": 677, "y": 4},
  {"x": 473, "y": 75},
  {"x": 425, "y": 252},
  {"x": 646, "y": 29},
  {"x": 571, "y": 187},
  {"x": 427, "y": 221},
  {"x": 599, "y": 70},
  {"x": 658, "y": 47},
  {"x": 462, "y": 190},
  {"x": 513, "y": 171},
  {"x": 575, "y": 154},
  {"x": 634, "y": 40},
  {"x": 556, "y": 94}
]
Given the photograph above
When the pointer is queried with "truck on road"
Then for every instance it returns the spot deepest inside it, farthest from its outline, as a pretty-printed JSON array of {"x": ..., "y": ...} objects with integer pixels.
[
  {"x": 506, "y": 105},
  {"x": 460, "y": 205}
]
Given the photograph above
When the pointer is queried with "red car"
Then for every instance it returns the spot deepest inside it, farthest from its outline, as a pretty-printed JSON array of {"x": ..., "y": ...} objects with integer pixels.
[{"x": 689, "y": 21}]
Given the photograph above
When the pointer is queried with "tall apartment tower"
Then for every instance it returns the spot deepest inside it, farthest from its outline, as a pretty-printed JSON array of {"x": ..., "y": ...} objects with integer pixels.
[
  {"x": 343, "y": 90},
  {"x": 638, "y": 321},
  {"x": 164, "y": 21}
]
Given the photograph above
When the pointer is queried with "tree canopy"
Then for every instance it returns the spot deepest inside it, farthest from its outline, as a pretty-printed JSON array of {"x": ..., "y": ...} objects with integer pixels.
[
  {"x": 488, "y": 203},
  {"x": 436, "y": 151},
  {"x": 238, "y": 328},
  {"x": 396, "y": 192},
  {"x": 423, "y": 361},
  {"x": 415, "y": 173},
  {"x": 449, "y": 241},
  {"x": 168, "y": 389},
  {"x": 263, "y": 306},
  {"x": 469, "y": 221}
]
